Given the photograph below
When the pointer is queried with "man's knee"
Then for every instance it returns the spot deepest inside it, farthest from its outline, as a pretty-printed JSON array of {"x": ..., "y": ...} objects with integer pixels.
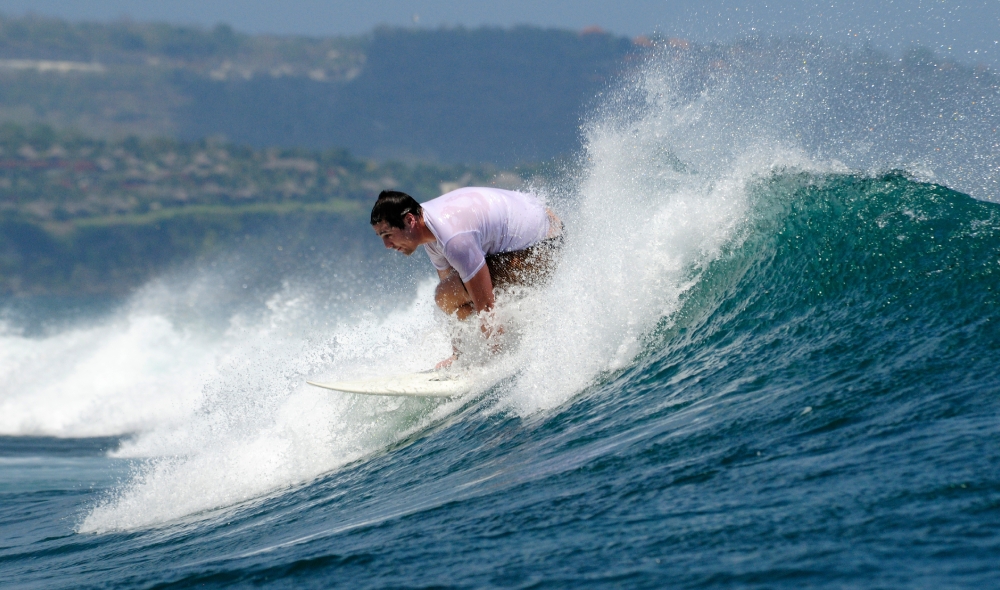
[
  {"x": 450, "y": 294},
  {"x": 442, "y": 298}
]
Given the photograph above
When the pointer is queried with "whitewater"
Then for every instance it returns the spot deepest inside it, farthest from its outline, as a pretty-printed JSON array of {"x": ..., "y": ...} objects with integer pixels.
[{"x": 767, "y": 359}]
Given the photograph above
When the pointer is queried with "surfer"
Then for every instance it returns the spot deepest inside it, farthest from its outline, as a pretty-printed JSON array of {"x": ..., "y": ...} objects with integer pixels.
[{"x": 479, "y": 240}]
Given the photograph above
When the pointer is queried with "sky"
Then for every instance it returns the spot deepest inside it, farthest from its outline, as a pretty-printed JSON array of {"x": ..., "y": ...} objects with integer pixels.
[{"x": 965, "y": 30}]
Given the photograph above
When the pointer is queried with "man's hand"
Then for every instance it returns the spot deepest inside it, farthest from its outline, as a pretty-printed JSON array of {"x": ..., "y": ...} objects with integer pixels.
[
  {"x": 492, "y": 330},
  {"x": 446, "y": 362}
]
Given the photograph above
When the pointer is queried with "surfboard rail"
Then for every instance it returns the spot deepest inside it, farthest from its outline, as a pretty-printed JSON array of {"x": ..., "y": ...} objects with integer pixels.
[{"x": 424, "y": 384}]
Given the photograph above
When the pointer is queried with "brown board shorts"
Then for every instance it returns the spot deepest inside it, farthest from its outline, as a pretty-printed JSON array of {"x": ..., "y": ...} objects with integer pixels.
[{"x": 531, "y": 266}]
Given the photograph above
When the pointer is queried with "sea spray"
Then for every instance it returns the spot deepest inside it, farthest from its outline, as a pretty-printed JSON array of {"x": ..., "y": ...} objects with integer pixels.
[{"x": 660, "y": 193}]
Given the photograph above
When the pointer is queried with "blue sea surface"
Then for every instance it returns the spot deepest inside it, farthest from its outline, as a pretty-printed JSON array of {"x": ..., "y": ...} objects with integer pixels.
[{"x": 759, "y": 371}]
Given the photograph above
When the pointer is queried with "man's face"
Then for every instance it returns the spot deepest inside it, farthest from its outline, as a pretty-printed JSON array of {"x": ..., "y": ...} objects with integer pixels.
[{"x": 401, "y": 240}]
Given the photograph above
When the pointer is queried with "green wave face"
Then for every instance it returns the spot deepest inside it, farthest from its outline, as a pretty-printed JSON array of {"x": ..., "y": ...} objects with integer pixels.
[{"x": 841, "y": 285}]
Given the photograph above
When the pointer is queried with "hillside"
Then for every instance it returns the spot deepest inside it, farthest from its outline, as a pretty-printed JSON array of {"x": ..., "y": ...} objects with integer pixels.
[
  {"x": 85, "y": 215},
  {"x": 451, "y": 95}
]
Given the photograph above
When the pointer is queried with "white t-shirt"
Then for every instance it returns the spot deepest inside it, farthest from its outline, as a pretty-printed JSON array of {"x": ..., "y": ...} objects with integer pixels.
[{"x": 470, "y": 223}]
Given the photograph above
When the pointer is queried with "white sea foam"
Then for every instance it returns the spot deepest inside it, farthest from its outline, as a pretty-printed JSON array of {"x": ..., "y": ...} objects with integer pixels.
[
  {"x": 137, "y": 372},
  {"x": 258, "y": 426}
]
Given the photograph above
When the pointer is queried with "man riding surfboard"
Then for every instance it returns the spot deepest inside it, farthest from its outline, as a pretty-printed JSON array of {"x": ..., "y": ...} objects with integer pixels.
[{"x": 478, "y": 239}]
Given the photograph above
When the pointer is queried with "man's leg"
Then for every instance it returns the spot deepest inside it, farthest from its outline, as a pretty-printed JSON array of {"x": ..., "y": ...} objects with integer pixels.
[
  {"x": 522, "y": 267},
  {"x": 527, "y": 267},
  {"x": 452, "y": 297}
]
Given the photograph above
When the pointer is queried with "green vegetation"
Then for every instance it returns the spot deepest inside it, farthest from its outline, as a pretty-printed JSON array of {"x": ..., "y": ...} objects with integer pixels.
[
  {"x": 79, "y": 214},
  {"x": 53, "y": 178}
]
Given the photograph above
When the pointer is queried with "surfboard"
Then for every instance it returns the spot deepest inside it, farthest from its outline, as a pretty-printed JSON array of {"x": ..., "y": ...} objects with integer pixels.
[{"x": 425, "y": 384}]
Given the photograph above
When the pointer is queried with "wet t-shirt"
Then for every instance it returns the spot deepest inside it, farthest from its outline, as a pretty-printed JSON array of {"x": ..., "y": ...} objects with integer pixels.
[{"x": 470, "y": 223}]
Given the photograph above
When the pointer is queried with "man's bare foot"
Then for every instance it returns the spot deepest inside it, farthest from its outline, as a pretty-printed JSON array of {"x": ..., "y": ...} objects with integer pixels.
[{"x": 446, "y": 362}]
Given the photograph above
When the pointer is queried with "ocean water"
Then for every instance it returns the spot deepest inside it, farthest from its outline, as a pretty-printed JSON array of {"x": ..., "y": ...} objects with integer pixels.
[{"x": 768, "y": 359}]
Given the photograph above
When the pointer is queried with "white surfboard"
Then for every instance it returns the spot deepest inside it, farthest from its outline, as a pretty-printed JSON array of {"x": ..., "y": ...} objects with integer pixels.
[{"x": 426, "y": 384}]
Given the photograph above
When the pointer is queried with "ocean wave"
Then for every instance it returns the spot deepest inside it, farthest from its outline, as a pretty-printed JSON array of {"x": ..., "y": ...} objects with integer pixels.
[{"x": 733, "y": 237}]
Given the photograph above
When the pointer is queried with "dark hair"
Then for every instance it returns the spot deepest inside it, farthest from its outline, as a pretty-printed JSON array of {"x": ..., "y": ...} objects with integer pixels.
[{"x": 392, "y": 206}]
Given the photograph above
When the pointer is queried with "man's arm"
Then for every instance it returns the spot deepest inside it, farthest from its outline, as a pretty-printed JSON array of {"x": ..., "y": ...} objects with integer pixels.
[{"x": 480, "y": 288}]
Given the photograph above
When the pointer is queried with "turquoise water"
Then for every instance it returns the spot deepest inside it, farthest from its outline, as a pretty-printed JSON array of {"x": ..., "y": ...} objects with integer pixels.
[{"x": 766, "y": 369}]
